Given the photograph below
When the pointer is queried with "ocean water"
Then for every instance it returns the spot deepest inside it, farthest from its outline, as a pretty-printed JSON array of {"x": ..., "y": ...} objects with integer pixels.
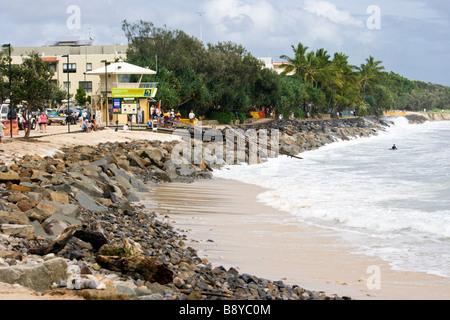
[{"x": 391, "y": 204}]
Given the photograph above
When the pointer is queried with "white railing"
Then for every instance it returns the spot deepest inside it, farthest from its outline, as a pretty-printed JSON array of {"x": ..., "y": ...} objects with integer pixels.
[{"x": 121, "y": 85}]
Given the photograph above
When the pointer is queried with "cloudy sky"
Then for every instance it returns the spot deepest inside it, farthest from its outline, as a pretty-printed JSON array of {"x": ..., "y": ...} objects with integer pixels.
[{"x": 411, "y": 37}]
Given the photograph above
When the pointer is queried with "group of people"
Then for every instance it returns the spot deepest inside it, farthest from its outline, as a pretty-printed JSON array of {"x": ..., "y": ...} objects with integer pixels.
[
  {"x": 269, "y": 112},
  {"x": 163, "y": 118},
  {"x": 89, "y": 125}
]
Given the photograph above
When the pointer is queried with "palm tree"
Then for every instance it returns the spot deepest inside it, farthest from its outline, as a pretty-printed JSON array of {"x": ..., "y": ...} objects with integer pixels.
[
  {"x": 370, "y": 74},
  {"x": 298, "y": 64}
]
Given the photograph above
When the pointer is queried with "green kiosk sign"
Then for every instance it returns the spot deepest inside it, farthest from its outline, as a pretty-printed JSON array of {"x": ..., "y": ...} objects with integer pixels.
[{"x": 134, "y": 93}]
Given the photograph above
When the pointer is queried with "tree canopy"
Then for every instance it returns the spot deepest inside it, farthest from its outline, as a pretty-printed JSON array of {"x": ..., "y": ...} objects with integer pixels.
[
  {"x": 225, "y": 77},
  {"x": 31, "y": 84}
]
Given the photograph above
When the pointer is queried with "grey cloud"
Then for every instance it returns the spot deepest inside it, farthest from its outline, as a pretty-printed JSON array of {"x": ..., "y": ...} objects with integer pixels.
[{"x": 241, "y": 23}]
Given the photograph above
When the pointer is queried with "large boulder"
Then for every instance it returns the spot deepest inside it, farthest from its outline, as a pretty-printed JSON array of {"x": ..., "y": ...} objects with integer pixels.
[
  {"x": 13, "y": 217},
  {"x": 17, "y": 230},
  {"x": 37, "y": 277},
  {"x": 155, "y": 155},
  {"x": 12, "y": 177},
  {"x": 89, "y": 203}
]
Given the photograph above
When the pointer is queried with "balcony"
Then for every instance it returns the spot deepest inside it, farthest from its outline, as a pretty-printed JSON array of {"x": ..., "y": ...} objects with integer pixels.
[{"x": 127, "y": 85}]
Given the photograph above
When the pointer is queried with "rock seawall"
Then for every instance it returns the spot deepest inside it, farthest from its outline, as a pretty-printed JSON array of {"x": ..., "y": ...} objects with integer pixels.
[{"x": 70, "y": 226}]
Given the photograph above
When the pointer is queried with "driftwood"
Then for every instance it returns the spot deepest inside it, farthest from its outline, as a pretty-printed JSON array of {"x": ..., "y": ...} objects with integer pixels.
[
  {"x": 95, "y": 238},
  {"x": 151, "y": 268},
  {"x": 81, "y": 232},
  {"x": 208, "y": 293}
]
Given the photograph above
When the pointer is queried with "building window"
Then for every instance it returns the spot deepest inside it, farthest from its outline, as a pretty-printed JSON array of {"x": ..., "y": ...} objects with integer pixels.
[
  {"x": 66, "y": 85},
  {"x": 86, "y": 85},
  {"x": 52, "y": 67},
  {"x": 71, "y": 69},
  {"x": 89, "y": 67}
]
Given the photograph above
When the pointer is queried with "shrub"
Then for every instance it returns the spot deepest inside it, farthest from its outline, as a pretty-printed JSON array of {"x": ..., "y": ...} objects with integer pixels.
[{"x": 223, "y": 117}]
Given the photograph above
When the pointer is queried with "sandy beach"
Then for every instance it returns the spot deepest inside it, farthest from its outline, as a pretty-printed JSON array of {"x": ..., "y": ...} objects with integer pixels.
[{"x": 229, "y": 227}]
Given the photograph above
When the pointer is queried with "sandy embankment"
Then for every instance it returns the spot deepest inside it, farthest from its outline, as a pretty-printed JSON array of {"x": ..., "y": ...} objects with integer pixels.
[
  {"x": 58, "y": 137},
  {"x": 231, "y": 228},
  {"x": 444, "y": 116}
]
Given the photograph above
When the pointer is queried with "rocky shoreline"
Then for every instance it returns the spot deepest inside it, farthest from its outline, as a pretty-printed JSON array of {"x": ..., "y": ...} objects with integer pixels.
[{"x": 71, "y": 226}]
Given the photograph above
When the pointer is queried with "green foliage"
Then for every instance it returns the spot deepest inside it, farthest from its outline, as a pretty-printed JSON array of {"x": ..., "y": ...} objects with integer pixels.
[
  {"x": 362, "y": 110},
  {"x": 223, "y": 117},
  {"x": 30, "y": 83},
  {"x": 224, "y": 77},
  {"x": 81, "y": 97},
  {"x": 299, "y": 114}
]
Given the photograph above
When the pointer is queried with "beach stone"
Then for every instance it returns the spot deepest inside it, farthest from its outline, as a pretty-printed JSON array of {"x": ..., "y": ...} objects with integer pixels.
[
  {"x": 88, "y": 186},
  {"x": 121, "y": 180},
  {"x": 58, "y": 197},
  {"x": 178, "y": 282},
  {"x": 38, "y": 230},
  {"x": 16, "y": 217},
  {"x": 10, "y": 255},
  {"x": 17, "y": 230},
  {"x": 153, "y": 297},
  {"x": 16, "y": 197},
  {"x": 15, "y": 187},
  {"x": 10, "y": 177},
  {"x": 126, "y": 290},
  {"x": 156, "y": 156},
  {"x": 35, "y": 196},
  {"x": 194, "y": 296},
  {"x": 120, "y": 172},
  {"x": 38, "y": 176},
  {"x": 135, "y": 161},
  {"x": 37, "y": 277},
  {"x": 24, "y": 205},
  {"x": 46, "y": 210},
  {"x": 89, "y": 203},
  {"x": 186, "y": 170}
]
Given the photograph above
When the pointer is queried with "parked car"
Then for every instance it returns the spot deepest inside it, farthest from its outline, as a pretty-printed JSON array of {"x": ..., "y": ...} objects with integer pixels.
[
  {"x": 73, "y": 117},
  {"x": 54, "y": 117},
  {"x": 18, "y": 115}
]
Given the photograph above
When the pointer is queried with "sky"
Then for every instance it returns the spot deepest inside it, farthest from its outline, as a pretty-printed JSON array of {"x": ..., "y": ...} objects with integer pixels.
[{"x": 411, "y": 38}]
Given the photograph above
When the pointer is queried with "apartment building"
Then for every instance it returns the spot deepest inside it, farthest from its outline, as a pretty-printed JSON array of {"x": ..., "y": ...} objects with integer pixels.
[
  {"x": 83, "y": 57},
  {"x": 278, "y": 67}
]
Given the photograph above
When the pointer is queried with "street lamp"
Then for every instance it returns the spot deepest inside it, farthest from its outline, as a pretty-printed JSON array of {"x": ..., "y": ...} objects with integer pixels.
[
  {"x": 68, "y": 92},
  {"x": 106, "y": 89},
  {"x": 10, "y": 88}
]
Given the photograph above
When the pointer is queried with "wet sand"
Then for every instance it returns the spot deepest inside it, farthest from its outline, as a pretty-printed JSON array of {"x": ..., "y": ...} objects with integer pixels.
[{"x": 228, "y": 226}]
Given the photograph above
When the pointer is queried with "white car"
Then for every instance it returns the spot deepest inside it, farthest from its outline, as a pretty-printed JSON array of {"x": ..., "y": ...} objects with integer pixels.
[{"x": 4, "y": 110}]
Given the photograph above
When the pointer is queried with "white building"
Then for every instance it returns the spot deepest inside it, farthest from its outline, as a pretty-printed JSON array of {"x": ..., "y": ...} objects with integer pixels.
[
  {"x": 83, "y": 57},
  {"x": 269, "y": 63}
]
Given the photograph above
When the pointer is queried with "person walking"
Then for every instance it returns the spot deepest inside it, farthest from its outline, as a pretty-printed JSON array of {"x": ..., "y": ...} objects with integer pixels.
[
  {"x": 43, "y": 122},
  {"x": 2, "y": 135}
]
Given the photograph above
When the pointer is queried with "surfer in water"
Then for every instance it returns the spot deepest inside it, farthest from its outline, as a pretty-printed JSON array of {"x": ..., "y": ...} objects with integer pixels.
[{"x": 394, "y": 147}]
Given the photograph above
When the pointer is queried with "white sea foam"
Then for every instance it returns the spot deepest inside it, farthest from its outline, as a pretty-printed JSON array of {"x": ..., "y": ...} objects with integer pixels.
[{"x": 394, "y": 204}]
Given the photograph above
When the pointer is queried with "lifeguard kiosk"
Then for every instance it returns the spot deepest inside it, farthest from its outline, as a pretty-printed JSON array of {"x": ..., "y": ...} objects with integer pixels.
[{"x": 121, "y": 92}]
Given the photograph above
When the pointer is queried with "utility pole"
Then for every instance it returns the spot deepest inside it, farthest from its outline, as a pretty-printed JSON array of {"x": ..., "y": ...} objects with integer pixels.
[
  {"x": 68, "y": 91},
  {"x": 201, "y": 24}
]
